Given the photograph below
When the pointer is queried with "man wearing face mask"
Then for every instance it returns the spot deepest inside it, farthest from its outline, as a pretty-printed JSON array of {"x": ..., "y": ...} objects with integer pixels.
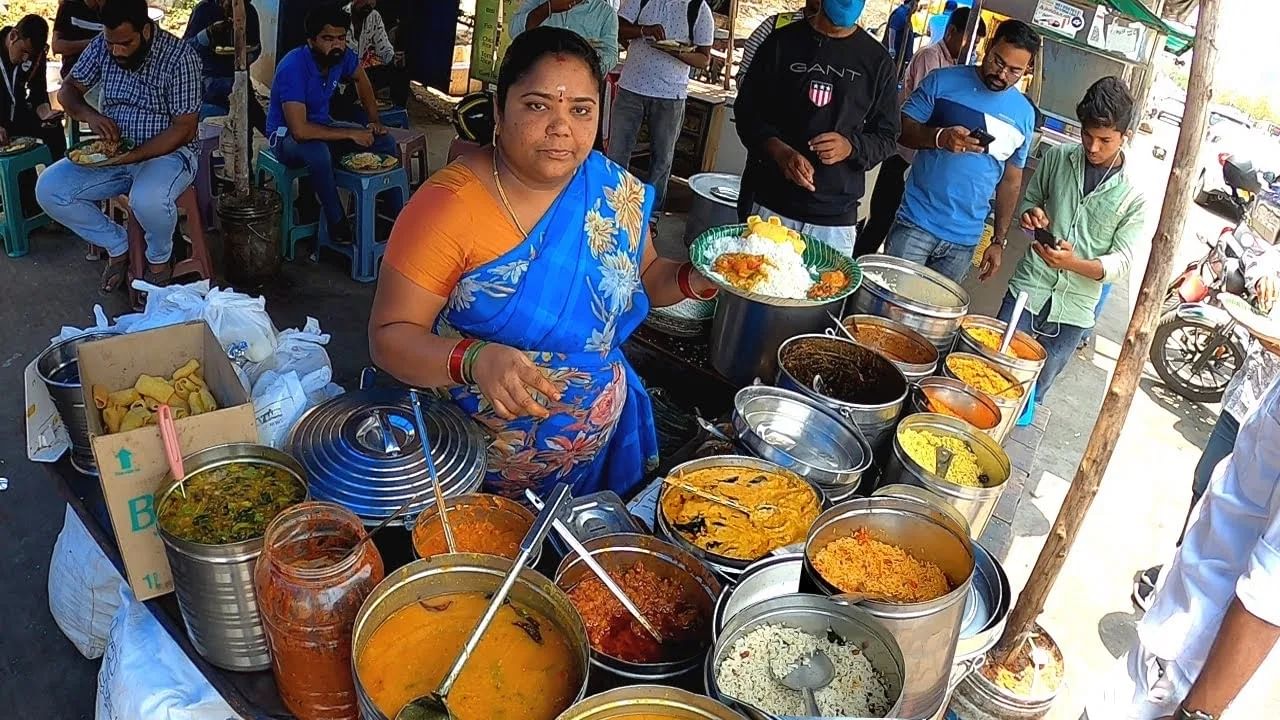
[
  {"x": 151, "y": 98},
  {"x": 300, "y": 127},
  {"x": 816, "y": 110}
]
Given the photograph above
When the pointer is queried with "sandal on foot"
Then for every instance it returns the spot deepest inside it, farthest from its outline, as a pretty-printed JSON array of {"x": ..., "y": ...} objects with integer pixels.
[
  {"x": 158, "y": 277},
  {"x": 114, "y": 276}
]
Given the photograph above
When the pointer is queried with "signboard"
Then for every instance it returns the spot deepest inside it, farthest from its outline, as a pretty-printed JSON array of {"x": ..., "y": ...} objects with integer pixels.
[
  {"x": 484, "y": 41},
  {"x": 1124, "y": 39},
  {"x": 1060, "y": 16}
]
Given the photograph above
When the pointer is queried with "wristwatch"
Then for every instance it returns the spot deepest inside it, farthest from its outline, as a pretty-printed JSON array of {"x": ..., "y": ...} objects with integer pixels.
[
  {"x": 1001, "y": 241},
  {"x": 1185, "y": 714}
]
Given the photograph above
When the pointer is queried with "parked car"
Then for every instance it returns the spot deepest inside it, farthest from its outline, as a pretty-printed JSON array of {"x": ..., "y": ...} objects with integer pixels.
[{"x": 1170, "y": 110}]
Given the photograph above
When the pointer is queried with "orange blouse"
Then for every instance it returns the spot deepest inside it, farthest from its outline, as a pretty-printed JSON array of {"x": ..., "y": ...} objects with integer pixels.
[{"x": 451, "y": 226}]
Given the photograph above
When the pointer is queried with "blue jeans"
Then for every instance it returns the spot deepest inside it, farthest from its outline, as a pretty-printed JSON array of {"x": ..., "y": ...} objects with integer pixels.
[
  {"x": 840, "y": 237},
  {"x": 1059, "y": 341},
  {"x": 1097, "y": 312},
  {"x": 666, "y": 118},
  {"x": 70, "y": 194},
  {"x": 920, "y": 246},
  {"x": 1221, "y": 441},
  {"x": 216, "y": 101},
  {"x": 319, "y": 156}
]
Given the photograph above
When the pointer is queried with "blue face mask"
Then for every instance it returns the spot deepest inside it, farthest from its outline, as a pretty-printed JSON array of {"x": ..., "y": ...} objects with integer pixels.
[{"x": 843, "y": 13}]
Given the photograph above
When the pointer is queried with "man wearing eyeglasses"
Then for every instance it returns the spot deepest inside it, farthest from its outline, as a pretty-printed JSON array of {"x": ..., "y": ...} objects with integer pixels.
[{"x": 973, "y": 130}]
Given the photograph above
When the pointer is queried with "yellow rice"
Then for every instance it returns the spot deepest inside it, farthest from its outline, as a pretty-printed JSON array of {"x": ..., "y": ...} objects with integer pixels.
[{"x": 922, "y": 447}]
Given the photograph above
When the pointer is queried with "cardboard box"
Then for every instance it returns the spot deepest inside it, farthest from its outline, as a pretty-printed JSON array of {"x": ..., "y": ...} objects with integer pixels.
[{"x": 132, "y": 464}]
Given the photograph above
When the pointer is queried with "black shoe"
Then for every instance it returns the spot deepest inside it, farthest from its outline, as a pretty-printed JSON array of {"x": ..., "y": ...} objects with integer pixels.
[
  {"x": 1144, "y": 588},
  {"x": 340, "y": 233}
]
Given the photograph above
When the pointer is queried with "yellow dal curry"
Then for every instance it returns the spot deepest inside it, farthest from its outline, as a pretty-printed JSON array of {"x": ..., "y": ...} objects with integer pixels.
[
  {"x": 523, "y": 668},
  {"x": 731, "y": 533}
]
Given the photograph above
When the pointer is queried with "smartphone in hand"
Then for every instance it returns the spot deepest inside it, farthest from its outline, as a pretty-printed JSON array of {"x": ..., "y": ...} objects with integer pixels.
[
  {"x": 1046, "y": 238},
  {"x": 983, "y": 137}
]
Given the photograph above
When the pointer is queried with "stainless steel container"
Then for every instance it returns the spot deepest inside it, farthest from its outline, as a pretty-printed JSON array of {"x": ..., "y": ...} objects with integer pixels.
[
  {"x": 715, "y": 203},
  {"x": 1010, "y": 408},
  {"x": 907, "y": 337},
  {"x": 818, "y": 615},
  {"x": 59, "y": 368},
  {"x": 802, "y": 435},
  {"x": 875, "y": 417},
  {"x": 650, "y": 701},
  {"x": 362, "y": 450},
  {"x": 765, "y": 579},
  {"x": 462, "y": 572},
  {"x": 976, "y": 504},
  {"x": 912, "y": 294},
  {"x": 919, "y": 494},
  {"x": 214, "y": 583},
  {"x": 620, "y": 552},
  {"x": 985, "y": 612},
  {"x": 494, "y": 511},
  {"x": 727, "y": 567},
  {"x": 746, "y": 334},
  {"x": 927, "y": 632},
  {"x": 1024, "y": 365},
  {"x": 978, "y": 409}
]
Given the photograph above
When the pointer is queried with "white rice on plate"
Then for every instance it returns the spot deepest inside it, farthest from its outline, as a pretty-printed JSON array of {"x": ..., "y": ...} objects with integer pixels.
[
  {"x": 787, "y": 278},
  {"x": 750, "y": 670}
]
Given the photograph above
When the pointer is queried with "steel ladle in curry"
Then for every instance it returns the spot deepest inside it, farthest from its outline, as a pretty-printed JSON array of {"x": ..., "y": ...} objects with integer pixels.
[
  {"x": 431, "y": 469},
  {"x": 435, "y": 706}
]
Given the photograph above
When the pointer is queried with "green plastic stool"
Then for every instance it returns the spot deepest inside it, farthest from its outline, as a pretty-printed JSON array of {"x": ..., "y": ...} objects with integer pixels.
[
  {"x": 13, "y": 224},
  {"x": 286, "y": 180}
]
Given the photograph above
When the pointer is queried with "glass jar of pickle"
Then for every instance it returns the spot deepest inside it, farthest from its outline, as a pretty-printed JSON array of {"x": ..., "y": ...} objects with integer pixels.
[{"x": 310, "y": 585}]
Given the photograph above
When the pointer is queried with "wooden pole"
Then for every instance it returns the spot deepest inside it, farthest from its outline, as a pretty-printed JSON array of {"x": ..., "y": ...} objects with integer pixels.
[
  {"x": 1133, "y": 353},
  {"x": 733, "y": 33},
  {"x": 239, "y": 119}
]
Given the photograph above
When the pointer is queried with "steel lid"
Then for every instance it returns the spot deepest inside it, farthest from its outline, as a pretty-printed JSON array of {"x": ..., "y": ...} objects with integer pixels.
[
  {"x": 986, "y": 607},
  {"x": 362, "y": 450},
  {"x": 721, "y": 188},
  {"x": 913, "y": 285},
  {"x": 765, "y": 579}
]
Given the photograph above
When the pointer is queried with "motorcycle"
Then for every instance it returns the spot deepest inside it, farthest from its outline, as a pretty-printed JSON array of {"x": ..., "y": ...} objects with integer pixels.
[{"x": 1196, "y": 348}]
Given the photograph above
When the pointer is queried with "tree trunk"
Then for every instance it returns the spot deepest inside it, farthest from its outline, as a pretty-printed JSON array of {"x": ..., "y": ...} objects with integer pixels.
[
  {"x": 1133, "y": 353},
  {"x": 238, "y": 122}
]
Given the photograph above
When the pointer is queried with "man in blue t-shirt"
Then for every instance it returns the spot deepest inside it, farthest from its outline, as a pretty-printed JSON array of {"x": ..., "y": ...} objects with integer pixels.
[
  {"x": 973, "y": 130},
  {"x": 897, "y": 34},
  {"x": 299, "y": 126}
]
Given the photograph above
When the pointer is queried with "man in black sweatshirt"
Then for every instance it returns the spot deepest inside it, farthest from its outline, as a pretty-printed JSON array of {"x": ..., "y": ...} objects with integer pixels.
[{"x": 816, "y": 110}]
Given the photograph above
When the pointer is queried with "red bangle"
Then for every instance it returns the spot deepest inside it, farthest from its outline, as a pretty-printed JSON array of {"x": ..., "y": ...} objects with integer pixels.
[
  {"x": 686, "y": 287},
  {"x": 455, "y": 360}
]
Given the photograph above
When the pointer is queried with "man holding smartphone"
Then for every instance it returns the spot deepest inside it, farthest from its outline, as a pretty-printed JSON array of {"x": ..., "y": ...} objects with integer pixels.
[{"x": 1086, "y": 214}]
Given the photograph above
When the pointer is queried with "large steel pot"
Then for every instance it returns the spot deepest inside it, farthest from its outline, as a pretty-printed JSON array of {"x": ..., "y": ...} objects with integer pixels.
[
  {"x": 976, "y": 407},
  {"x": 214, "y": 583},
  {"x": 493, "y": 511},
  {"x": 922, "y": 350},
  {"x": 746, "y": 334},
  {"x": 458, "y": 573},
  {"x": 59, "y": 369},
  {"x": 649, "y": 701},
  {"x": 976, "y": 504},
  {"x": 817, "y": 615},
  {"x": 928, "y": 631},
  {"x": 1010, "y": 408},
  {"x": 802, "y": 435},
  {"x": 832, "y": 357},
  {"x": 621, "y": 551},
  {"x": 1024, "y": 364},
  {"x": 912, "y": 294},
  {"x": 715, "y": 203}
]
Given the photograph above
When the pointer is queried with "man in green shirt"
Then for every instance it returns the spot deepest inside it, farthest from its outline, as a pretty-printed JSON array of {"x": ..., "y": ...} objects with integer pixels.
[{"x": 1089, "y": 214}]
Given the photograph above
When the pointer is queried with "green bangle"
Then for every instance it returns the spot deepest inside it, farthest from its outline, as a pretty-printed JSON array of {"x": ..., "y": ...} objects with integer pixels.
[{"x": 469, "y": 361}]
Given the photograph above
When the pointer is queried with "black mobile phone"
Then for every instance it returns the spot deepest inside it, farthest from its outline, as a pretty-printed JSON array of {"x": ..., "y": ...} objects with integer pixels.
[
  {"x": 1046, "y": 238},
  {"x": 983, "y": 137}
]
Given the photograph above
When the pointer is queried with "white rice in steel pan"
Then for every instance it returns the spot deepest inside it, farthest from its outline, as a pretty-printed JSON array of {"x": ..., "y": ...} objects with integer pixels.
[
  {"x": 788, "y": 278},
  {"x": 750, "y": 670}
]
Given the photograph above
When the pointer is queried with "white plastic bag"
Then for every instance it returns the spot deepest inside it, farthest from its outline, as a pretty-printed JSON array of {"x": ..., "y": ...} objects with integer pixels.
[
  {"x": 168, "y": 305},
  {"x": 301, "y": 351},
  {"x": 146, "y": 676},
  {"x": 84, "y": 588},
  {"x": 236, "y": 317},
  {"x": 100, "y": 323},
  {"x": 278, "y": 401}
]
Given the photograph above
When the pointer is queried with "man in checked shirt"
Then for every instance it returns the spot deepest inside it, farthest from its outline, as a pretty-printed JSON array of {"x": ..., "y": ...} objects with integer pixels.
[{"x": 150, "y": 97}]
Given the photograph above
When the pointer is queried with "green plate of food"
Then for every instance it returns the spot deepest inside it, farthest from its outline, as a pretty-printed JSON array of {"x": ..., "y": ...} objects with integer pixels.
[
  {"x": 369, "y": 163},
  {"x": 96, "y": 152},
  {"x": 767, "y": 263},
  {"x": 18, "y": 145}
]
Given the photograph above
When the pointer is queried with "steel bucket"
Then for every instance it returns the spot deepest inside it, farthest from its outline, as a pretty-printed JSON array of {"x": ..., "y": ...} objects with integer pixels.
[
  {"x": 911, "y": 370},
  {"x": 650, "y": 701},
  {"x": 462, "y": 572},
  {"x": 58, "y": 367},
  {"x": 214, "y": 583},
  {"x": 975, "y": 504},
  {"x": 715, "y": 203},
  {"x": 976, "y": 407},
  {"x": 926, "y": 632},
  {"x": 1010, "y": 408},
  {"x": 913, "y": 295},
  {"x": 1024, "y": 366},
  {"x": 746, "y": 335}
]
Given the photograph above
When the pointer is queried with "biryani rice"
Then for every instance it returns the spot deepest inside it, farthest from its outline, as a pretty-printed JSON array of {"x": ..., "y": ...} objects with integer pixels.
[
  {"x": 861, "y": 564},
  {"x": 787, "y": 277}
]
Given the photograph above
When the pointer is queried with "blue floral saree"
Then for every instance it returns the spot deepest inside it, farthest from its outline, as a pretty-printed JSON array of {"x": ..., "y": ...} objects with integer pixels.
[{"x": 569, "y": 294}]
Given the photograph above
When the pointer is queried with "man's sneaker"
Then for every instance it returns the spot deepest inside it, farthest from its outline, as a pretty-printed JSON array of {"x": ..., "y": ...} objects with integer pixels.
[
  {"x": 340, "y": 232},
  {"x": 1144, "y": 588}
]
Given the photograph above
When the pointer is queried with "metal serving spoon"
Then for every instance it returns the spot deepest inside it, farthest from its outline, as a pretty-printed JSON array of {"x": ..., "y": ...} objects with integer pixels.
[
  {"x": 434, "y": 706},
  {"x": 812, "y": 674},
  {"x": 731, "y": 504}
]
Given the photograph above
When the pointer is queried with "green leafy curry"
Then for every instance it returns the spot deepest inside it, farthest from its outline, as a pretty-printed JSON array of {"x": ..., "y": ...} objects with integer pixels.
[{"x": 229, "y": 503}]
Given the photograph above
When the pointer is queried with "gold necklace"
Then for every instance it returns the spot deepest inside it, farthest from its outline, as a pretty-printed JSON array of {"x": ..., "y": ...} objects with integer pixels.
[{"x": 502, "y": 195}]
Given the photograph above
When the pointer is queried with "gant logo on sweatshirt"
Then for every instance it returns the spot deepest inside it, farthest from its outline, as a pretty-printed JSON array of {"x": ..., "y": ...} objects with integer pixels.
[{"x": 842, "y": 73}]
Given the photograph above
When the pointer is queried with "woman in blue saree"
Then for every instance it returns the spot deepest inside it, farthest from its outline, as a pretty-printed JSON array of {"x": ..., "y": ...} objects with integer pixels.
[{"x": 514, "y": 275}]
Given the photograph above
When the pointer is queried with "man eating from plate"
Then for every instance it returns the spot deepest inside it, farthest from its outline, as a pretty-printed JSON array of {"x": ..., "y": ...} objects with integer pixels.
[{"x": 151, "y": 99}]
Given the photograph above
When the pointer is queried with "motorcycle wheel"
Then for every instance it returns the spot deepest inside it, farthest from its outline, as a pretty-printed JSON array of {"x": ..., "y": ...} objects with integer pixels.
[
  {"x": 1171, "y": 302},
  {"x": 1175, "y": 347}
]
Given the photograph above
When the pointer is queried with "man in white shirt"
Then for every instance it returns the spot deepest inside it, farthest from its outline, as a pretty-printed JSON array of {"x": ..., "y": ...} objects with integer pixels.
[
  {"x": 1216, "y": 616},
  {"x": 655, "y": 81}
]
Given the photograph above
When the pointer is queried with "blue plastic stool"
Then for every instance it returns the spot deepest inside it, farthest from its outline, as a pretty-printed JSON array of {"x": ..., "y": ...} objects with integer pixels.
[
  {"x": 286, "y": 180},
  {"x": 366, "y": 252},
  {"x": 13, "y": 224},
  {"x": 394, "y": 116}
]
